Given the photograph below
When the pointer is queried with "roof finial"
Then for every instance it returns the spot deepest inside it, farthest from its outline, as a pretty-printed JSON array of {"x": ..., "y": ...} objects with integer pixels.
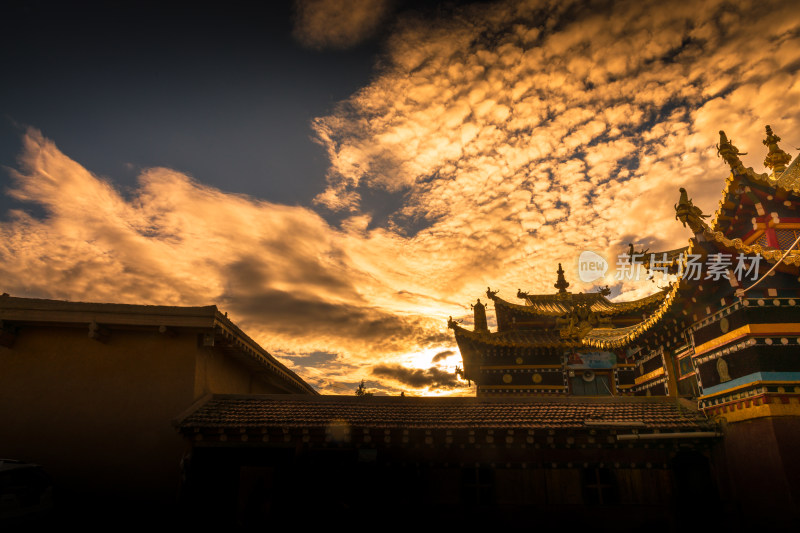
[
  {"x": 776, "y": 159},
  {"x": 688, "y": 213},
  {"x": 562, "y": 283},
  {"x": 479, "y": 311},
  {"x": 729, "y": 153}
]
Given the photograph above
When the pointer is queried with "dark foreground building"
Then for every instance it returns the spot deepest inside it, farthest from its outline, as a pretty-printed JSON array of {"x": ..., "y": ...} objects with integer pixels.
[
  {"x": 89, "y": 392},
  {"x": 383, "y": 461}
]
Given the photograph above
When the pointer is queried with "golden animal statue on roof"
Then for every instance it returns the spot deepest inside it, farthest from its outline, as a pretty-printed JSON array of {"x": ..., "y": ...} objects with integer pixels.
[
  {"x": 688, "y": 213},
  {"x": 580, "y": 321},
  {"x": 730, "y": 153}
]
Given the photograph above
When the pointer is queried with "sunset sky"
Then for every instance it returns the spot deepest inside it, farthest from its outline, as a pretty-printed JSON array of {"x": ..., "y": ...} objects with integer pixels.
[{"x": 342, "y": 176}]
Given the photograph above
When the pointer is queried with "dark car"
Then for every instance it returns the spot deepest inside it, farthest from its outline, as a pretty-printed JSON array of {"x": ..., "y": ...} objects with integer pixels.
[{"x": 26, "y": 492}]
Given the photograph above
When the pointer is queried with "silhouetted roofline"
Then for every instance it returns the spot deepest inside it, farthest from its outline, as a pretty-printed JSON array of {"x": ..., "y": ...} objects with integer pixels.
[
  {"x": 34, "y": 311},
  {"x": 238, "y": 412}
]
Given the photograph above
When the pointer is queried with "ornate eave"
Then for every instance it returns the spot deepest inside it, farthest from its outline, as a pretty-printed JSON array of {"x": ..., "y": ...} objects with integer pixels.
[
  {"x": 514, "y": 338},
  {"x": 790, "y": 179},
  {"x": 772, "y": 255},
  {"x": 785, "y": 180},
  {"x": 618, "y": 337},
  {"x": 556, "y": 305}
]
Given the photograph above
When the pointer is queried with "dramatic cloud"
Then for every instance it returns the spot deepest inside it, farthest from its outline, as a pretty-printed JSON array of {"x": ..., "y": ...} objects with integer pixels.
[
  {"x": 433, "y": 378},
  {"x": 524, "y": 132},
  {"x": 441, "y": 356},
  {"x": 289, "y": 279},
  {"x": 507, "y": 138},
  {"x": 337, "y": 23}
]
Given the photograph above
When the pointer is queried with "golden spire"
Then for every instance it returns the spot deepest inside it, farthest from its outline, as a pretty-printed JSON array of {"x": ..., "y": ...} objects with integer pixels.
[
  {"x": 562, "y": 283},
  {"x": 776, "y": 159},
  {"x": 479, "y": 311}
]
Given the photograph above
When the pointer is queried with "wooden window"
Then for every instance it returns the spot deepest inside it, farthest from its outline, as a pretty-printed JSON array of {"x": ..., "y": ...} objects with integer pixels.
[
  {"x": 599, "y": 487},
  {"x": 477, "y": 486}
]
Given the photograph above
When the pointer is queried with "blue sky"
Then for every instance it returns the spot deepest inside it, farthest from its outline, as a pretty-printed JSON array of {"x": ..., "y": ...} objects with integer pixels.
[{"x": 226, "y": 95}]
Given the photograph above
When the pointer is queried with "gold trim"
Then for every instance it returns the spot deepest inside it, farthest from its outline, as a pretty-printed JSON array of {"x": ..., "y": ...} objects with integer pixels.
[
  {"x": 751, "y": 329},
  {"x": 506, "y": 367},
  {"x": 773, "y": 255},
  {"x": 722, "y": 340},
  {"x": 650, "y": 375},
  {"x": 751, "y": 384},
  {"x": 774, "y": 329},
  {"x": 554, "y": 387},
  {"x": 754, "y": 237},
  {"x": 759, "y": 411}
]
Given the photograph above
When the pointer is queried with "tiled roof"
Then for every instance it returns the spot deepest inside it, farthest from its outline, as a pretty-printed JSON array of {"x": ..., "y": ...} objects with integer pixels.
[
  {"x": 294, "y": 411},
  {"x": 790, "y": 179},
  {"x": 559, "y": 305},
  {"x": 519, "y": 338},
  {"x": 598, "y": 336}
]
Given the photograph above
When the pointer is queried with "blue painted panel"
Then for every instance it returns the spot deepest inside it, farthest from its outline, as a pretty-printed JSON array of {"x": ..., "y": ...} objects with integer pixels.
[{"x": 752, "y": 378}]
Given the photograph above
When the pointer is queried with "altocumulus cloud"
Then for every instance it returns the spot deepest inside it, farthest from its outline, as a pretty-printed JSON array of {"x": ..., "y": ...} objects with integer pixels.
[
  {"x": 524, "y": 132},
  {"x": 517, "y": 134},
  {"x": 337, "y": 23}
]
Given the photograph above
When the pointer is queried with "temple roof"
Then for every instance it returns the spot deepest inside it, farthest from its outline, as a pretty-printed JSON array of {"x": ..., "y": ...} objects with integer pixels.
[
  {"x": 786, "y": 179},
  {"x": 242, "y": 412},
  {"x": 616, "y": 337},
  {"x": 612, "y": 338},
  {"x": 514, "y": 338},
  {"x": 789, "y": 180},
  {"x": 607, "y": 337},
  {"x": 719, "y": 233},
  {"x": 561, "y": 304},
  {"x": 714, "y": 232},
  {"x": 772, "y": 255}
]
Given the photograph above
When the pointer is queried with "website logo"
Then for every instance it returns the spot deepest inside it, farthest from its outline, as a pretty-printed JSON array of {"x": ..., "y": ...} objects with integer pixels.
[{"x": 591, "y": 266}]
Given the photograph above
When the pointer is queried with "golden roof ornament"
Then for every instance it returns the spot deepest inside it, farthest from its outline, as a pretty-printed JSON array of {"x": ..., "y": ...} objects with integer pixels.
[
  {"x": 776, "y": 159},
  {"x": 730, "y": 153},
  {"x": 580, "y": 321},
  {"x": 688, "y": 213},
  {"x": 561, "y": 284},
  {"x": 479, "y": 311}
]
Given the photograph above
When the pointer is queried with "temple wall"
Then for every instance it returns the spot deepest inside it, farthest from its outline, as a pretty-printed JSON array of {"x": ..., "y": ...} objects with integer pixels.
[
  {"x": 97, "y": 414},
  {"x": 764, "y": 470},
  {"x": 216, "y": 373}
]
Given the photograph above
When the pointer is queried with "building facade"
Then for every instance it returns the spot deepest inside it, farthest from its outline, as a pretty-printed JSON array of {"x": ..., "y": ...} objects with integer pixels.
[
  {"x": 387, "y": 462},
  {"x": 538, "y": 347},
  {"x": 90, "y": 391}
]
